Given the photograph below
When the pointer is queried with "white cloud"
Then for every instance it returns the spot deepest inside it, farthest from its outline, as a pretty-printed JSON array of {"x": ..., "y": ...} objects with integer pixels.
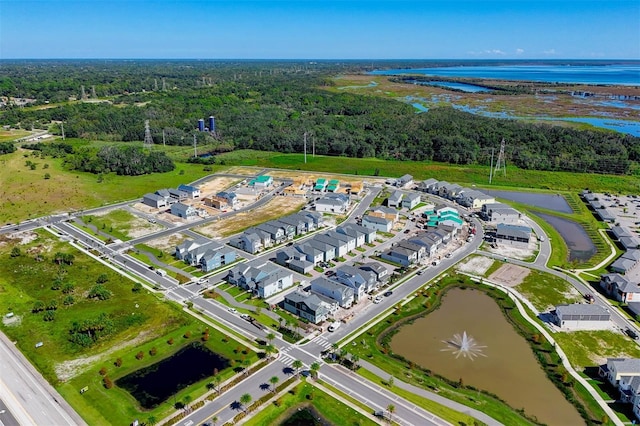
[
  {"x": 519, "y": 51},
  {"x": 486, "y": 52},
  {"x": 550, "y": 52},
  {"x": 495, "y": 52}
]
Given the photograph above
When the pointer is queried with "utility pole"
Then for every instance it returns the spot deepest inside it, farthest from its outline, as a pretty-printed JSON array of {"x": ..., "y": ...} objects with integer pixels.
[
  {"x": 148, "y": 140},
  {"x": 500, "y": 163},
  {"x": 491, "y": 167},
  {"x": 164, "y": 142},
  {"x": 62, "y": 129},
  {"x": 305, "y": 147},
  {"x": 195, "y": 147}
]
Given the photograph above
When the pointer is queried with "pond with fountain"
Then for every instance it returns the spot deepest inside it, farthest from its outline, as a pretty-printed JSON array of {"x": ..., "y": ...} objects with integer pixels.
[{"x": 469, "y": 339}]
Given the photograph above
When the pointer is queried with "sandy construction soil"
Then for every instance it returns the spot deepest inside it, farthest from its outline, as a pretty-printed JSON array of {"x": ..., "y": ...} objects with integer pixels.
[
  {"x": 167, "y": 243},
  {"x": 507, "y": 250},
  {"x": 275, "y": 208},
  {"x": 215, "y": 185},
  {"x": 477, "y": 265},
  {"x": 510, "y": 275}
]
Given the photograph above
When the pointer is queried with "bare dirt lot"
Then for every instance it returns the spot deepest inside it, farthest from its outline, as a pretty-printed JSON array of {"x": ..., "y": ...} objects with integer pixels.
[
  {"x": 215, "y": 185},
  {"x": 509, "y": 275},
  {"x": 520, "y": 253},
  {"x": 167, "y": 243},
  {"x": 477, "y": 265},
  {"x": 275, "y": 208}
]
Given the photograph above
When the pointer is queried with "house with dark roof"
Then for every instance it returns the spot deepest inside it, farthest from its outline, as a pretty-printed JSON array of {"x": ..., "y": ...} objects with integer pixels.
[
  {"x": 191, "y": 191},
  {"x": 328, "y": 250},
  {"x": 340, "y": 246},
  {"x": 401, "y": 255},
  {"x": 387, "y": 212},
  {"x": 620, "y": 288},
  {"x": 362, "y": 234},
  {"x": 333, "y": 290},
  {"x": 183, "y": 211},
  {"x": 333, "y": 203},
  {"x": 500, "y": 213},
  {"x": 427, "y": 185},
  {"x": 513, "y": 234},
  {"x": 277, "y": 233},
  {"x": 178, "y": 194},
  {"x": 313, "y": 254},
  {"x": 262, "y": 278},
  {"x": 381, "y": 272},
  {"x": 395, "y": 199},
  {"x": 359, "y": 280},
  {"x": 216, "y": 257},
  {"x": 344, "y": 238},
  {"x": 450, "y": 191},
  {"x": 582, "y": 316},
  {"x": 291, "y": 258},
  {"x": 308, "y": 306},
  {"x": 230, "y": 197},
  {"x": 605, "y": 215},
  {"x": 252, "y": 240},
  {"x": 404, "y": 181},
  {"x": 474, "y": 199},
  {"x": 154, "y": 200},
  {"x": 410, "y": 200},
  {"x": 620, "y": 371}
]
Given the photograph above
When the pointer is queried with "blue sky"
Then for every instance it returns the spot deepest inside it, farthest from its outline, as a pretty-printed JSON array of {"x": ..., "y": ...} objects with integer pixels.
[{"x": 329, "y": 29}]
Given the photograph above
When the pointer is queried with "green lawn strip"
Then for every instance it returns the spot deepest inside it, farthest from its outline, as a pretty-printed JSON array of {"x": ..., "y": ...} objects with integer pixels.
[
  {"x": 465, "y": 175},
  {"x": 116, "y": 223},
  {"x": 332, "y": 410},
  {"x": 545, "y": 290},
  {"x": 584, "y": 348},
  {"x": 141, "y": 257},
  {"x": 90, "y": 231},
  {"x": 448, "y": 414},
  {"x": 351, "y": 399},
  {"x": 494, "y": 267},
  {"x": 372, "y": 345}
]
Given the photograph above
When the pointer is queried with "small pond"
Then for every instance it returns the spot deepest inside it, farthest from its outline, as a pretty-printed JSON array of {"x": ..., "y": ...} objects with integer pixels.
[
  {"x": 306, "y": 416},
  {"x": 503, "y": 364},
  {"x": 546, "y": 201},
  {"x": 154, "y": 384},
  {"x": 580, "y": 246},
  {"x": 465, "y": 87}
]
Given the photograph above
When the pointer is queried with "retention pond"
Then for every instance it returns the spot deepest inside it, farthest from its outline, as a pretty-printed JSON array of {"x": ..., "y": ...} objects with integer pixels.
[
  {"x": 547, "y": 201},
  {"x": 580, "y": 245},
  {"x": 499, "y": 360}
]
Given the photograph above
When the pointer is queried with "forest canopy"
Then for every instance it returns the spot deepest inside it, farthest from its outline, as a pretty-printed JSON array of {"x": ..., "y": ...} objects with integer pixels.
[{"x": 269, "y": 106}]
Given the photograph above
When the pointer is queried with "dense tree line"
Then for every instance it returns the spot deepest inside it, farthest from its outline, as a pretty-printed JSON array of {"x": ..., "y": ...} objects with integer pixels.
[
  {"x": 259, "y": 108},
  {"x": 7, "y": 148}
]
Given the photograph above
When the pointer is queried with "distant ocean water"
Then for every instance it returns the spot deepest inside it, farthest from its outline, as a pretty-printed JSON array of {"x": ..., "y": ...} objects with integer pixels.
[{"x": 611, "y": 74}]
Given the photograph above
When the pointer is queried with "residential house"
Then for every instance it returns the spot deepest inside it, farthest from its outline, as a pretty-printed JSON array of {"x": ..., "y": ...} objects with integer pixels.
[
  {"x": 307, "y": 306},
  {"x": 333, "y": 290},
  {"x": 387, "y": 212},
  {"x": 500, "y": 213},
  {"x": 605, "y": 215},
  {"x": 617, "y": 368},
  {"x": 630, "y": 243},
  {"x": 183, "y": 211},
  {"x": 620, "y": 288},
  {"x": 333, "y": 203},
  {"x": 178, "y": 194},
  {"x": 380, "y": 271},
  {"x": 377, "y": 223},
  {"x": 401, "y": 255},
  {"x": 328, "y": 250},
  {"x": 191, "y": 191},
  {"x": 419, "y": 249},
  {"x": 427, "y": 185},
  {"x": 252, "y": 240},
  {"x": 321, "y": 184},
  {"x": 429, "y": 244},
  {"x": 581, "y": 316},
  {"x": 347, "y": 239},
  {"x": 216, "y": 257},
  {"x": 516, "y": 235},
  {"x": 359, "y": 280},
  {"x": 450, "y": 191},
  {"x": 333, "y": 185},
  {"x": 410, "y": 200},
  {"x": 216, "y": 202},
  {"x": 395, "y": 199},
  {"x": 262, "y": 278},
  {"x": 311, "y": 253},
  {"x": 294, "y": 259},
  {"x": 474, "y": 199},
  {"x": 276, "y": 232},
  {"x": 623, "y": 265},
  {"x": 167, "y": 196},
  {"x": 154, "y": 200},
  {"x": 361, "y": 233},
  {"x": 261, "y": 182},
  {"x": 230, "y": 197},
  {"x": 404, "y": 181},
  {"x": 340, "y": 246}
]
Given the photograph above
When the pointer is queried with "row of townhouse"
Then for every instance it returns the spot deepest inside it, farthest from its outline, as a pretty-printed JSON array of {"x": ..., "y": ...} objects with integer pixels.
[
  {"x": 324, "y": 247},
  {"x": 381, "y": 218},
  {"x": 500, "y": 213},
  {"x": 222, "y": 200},
  {"x": 333, "y": 203},
  {"x": 261, "y": 277},
  {"x": 403, "y": 200},
  {"x": 624, "y": 374},
  {"x": 277, "y": 231},
  {"x": 599, "y": 209},
  {"x": 208, "y": 255},
  {"x": 347, "y": 286},
  {"x": 470, "y": 198},
  {"x": 423, "y": 245},
  {"x": 622, "y": 289},
  {"x": 166, "y": 197}
]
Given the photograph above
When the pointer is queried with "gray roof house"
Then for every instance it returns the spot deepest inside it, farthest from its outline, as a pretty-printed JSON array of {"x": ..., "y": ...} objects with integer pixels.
[
  {"x": 395, "y": 199},
  {"x": 361, "y": 281},
  {"x": 295, "y": 260},
  {"x": 450, "y": 191},
  {"x": 377, "y": 223},
  {"x": 377, "y": 269},
  {"x": 410, "y": 200},
  {"x": 308, "y": 306},
  {"x": 401, "y": 255},
  {"x": 252, "y": 240},
  {"x": 582, "y": 316},
  {"x": 166, "y": 195},
  {"x": 622, "y": 265},
  {"x": 329, "y": 251},
  {"x": 276, "y": 232},
  {"x": 620, "y": 232},
  {"x": 620, "y": 288},
  {"x": 500, "y": 213},
  {"x": 333, "y": 203},
  {"x": 510, "y": 234},
  {"x": 178, "y": 194},
  {"x": 474, "y": 199},
  {"x": 154, "y": 200},
  {"x": 616, "y": 368},
  {"x": 605, "y": 215},
  {"x": 387, "y": 211},
  {"x": 340, "y": 246},
  {"x": 630, "y": 243},
  {"x": 183, "y": 210},
  {"x": 191, "y": 191},
  {"x": 312, "y": 254},
  {"x": 347, "y": 239},
  {"x": 336, "y": 291},
  {"x": 215, "y": 257},
  {"x": 429, "y": 244},
  {"x": 418, "y": 248},
  {"x": 404, "y": 180},
  {"x": 262, "y": 278},
  {"x": 362, "y": 234},
  {"x": 427, "y": 185}
]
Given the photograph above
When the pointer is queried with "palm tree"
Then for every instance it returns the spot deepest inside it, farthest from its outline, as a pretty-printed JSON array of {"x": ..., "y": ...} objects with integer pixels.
[
  {"x": 274, "y": 381},
  {"x": 214, "y": 420},
  {"x": 187, "y": 399},
  {"x": 211, "y": 386},
  {"x": 246, "y": 364},
  {"x": 270, "y": 337},
  {"x": 297, "y": 364},
  {"x": 315, "y": 367},
  {"x": 245, "y": 400},
  {"x": 354, "y": 361},
  {"x": 216, "y": 382},
  {"x": 270, "y": 350},
  {"x": 391, "y": 409},
  {"x": 151, "y": 420}
]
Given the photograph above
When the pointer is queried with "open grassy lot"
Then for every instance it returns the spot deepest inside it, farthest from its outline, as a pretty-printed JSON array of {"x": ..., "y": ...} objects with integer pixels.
[
  {"x": 463, "y": 175},
  {"x": 13, "y": 134},
  {"x": 545, "y": 291},
  {"x": 592, "y": 348},
  {"x": 25, "y": 193},
  {"x": 306, "y": 394},
  {"x": 64, "y": 290},
  {"x": 121, "y": 224}
]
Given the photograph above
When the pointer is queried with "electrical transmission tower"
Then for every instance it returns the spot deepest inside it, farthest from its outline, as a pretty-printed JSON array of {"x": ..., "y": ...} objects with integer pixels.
[
  {"x": 500, "y": 164},
  {"x": 148, "y": 140},
  {"x": 83, "y": 94}
]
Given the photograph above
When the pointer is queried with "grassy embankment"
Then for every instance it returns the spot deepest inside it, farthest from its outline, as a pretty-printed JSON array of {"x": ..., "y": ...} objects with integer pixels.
[
  {"x": 375, "y": 348},
  {"x": 137, "y": 321}
]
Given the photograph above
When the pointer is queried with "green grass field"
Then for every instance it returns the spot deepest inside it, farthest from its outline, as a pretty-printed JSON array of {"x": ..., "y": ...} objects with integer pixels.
[
  {"x": 545, "y": 291},
  {"x": 590, "y": 348}
]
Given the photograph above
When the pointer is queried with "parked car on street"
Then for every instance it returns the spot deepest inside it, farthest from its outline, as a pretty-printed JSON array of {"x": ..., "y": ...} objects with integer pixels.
[{"x": 631, "y": 333}]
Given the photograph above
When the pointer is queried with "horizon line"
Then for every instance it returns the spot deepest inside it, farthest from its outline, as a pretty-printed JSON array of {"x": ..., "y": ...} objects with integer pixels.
[{"x": 320, "y": 60}]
